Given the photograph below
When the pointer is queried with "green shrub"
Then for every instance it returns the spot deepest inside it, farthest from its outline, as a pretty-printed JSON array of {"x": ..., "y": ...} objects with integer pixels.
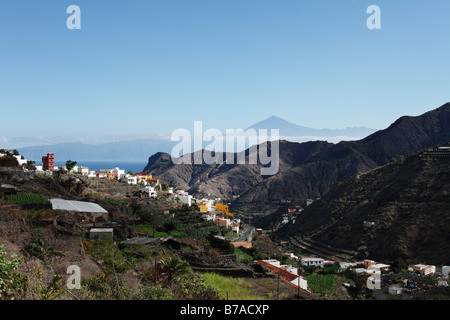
[
  {"x": 154, "y": 293},
  {"x": 242, "y": 256},
  {"x": 108, "y": 201},
  {"x": 178, "y": 234},
  {"x": 40, "y": 214},
  {"x": 12, "y": 284},
  {"x": 149, "y": 230},
  {"x": 230, "y": 287},
  {"x": 106, "y": 253}
]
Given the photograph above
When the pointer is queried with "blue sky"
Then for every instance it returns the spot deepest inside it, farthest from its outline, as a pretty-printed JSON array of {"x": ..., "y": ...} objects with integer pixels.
[{"x": 148, "y": 67}]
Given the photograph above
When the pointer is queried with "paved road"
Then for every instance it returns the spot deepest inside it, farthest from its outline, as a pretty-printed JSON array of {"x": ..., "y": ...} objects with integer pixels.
[{"x": 246, "y": 234}]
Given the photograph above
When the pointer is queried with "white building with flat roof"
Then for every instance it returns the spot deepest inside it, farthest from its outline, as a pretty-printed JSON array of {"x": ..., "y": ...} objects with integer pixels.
[
  {"x": 313, "y": 262},
  {"x": 186, "y": 199},
  {"x": 76, "y": 206},
  {"x": 128, "y": 178}
]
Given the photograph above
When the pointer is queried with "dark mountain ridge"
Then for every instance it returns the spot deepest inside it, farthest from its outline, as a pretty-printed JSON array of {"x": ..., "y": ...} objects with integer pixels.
[
  {"x": 309, "y": 169},
  {"x": 407, "y": 135}
]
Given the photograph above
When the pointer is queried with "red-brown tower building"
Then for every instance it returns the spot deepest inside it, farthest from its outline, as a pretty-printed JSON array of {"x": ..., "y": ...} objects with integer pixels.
[{"x": 48, "y": 162}]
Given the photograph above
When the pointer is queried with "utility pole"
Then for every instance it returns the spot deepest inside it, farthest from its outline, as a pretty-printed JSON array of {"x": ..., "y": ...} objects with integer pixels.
[
  {"x": 156, "y": 267},
  {"x": 278, "y": 288}
]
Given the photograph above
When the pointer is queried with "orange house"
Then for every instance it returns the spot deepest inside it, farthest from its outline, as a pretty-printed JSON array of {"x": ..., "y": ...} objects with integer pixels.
[{"x": 224, "y": 209}]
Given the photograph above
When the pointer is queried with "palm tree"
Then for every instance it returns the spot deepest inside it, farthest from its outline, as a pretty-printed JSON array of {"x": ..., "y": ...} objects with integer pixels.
[{"x": 173, "y": 267}]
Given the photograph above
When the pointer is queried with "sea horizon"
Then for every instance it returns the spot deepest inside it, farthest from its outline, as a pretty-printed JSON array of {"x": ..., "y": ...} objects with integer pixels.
[{"x": 97, "y": 165}]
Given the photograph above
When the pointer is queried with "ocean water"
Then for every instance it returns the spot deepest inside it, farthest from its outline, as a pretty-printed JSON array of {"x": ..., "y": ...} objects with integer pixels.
[{"x": 99, "y": 165}]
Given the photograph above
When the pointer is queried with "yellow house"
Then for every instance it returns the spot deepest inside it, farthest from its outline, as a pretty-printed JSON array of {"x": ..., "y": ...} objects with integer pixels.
[{"x": 203, "y": 208}]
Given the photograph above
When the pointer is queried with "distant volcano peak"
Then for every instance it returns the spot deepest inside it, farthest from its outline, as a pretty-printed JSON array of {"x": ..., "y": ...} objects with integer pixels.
[{"x": 289, "y": 129}]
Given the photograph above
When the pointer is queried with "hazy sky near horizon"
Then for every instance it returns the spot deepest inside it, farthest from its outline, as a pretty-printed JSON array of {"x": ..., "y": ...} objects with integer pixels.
[{"x": 141, "y": 67}]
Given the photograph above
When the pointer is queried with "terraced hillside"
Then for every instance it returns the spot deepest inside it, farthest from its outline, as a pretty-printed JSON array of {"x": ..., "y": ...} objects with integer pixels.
[{"x": 398, "y": 211}]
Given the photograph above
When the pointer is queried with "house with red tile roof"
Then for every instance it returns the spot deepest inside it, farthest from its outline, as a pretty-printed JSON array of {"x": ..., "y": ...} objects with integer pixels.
[{"x": 285, "y": 273}]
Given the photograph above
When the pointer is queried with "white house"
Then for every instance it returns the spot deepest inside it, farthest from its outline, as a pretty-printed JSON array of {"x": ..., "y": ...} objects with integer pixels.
[
  {"x": 235, "y": 227},
  {"x": 300, "y": 282},
  {"x": 187, "y": 199},
  {"x": 21, "y": 160},
  {"x": 210, "y": 216},
  {"x": 315, "y": 262},
  {"x": 208, "y": 202},
  {"x": 118, "y": 172},
  {"x": 445, "y": 271},
  {"x": 101, "y": 174},
  {"x": 130, "y": 179},
  {"x": 150, "y": 190}
]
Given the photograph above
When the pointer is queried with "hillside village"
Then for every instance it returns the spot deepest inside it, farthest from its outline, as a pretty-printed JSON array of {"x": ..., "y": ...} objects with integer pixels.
[
  {"x": 148, "y": 187},
  {"x": 56, "y": 216}
]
